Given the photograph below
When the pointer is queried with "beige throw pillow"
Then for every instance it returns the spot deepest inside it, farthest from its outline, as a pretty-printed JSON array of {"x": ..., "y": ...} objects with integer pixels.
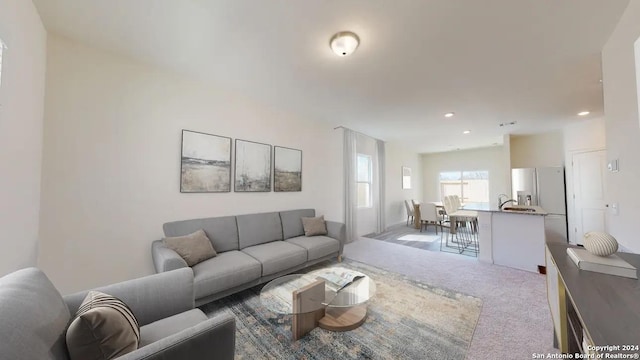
[
  {"x": 314, "y": 226},
  {"x": 194, "y": 248},
  {"x": 104, "y": 328}
]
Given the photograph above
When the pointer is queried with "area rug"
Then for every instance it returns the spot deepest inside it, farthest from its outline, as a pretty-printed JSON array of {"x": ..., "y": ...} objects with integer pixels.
[{"x": 406, "y": 319}]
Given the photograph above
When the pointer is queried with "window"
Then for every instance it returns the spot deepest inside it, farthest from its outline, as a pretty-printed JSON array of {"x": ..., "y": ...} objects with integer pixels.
[
  {"x": 364, "y": 180},
  {"x": 470, "y": 186}
]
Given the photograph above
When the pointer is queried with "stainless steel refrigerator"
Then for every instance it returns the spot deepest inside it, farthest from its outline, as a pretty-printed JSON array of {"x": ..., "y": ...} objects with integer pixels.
[{"x": 544, "y": 187}]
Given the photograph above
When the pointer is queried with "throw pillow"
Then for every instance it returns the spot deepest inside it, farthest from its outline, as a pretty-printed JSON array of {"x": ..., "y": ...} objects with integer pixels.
[
  {"x": 314, "y": 226},
  {"x": 104, "y": 328},
  {"x": 193, "y": 248}
]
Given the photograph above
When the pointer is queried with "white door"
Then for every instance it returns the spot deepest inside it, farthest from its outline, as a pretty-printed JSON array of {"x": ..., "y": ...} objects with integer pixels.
[{"x": 588, "y": 188}]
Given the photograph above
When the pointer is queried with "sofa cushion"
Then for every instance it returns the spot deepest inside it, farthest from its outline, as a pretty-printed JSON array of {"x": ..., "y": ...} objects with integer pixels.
[
  {"x": 292, "y": 221},
  {"x": 227, "y": 270},
  {"x": 104, "y": 328},
  {"x": 34, "y": 317},
  {"x": 317, "y": 246},
  {"x": 193, "y": 248},
  {"x": 168, "y": 326},
  {"x": 277, "y": 256},
  {"x": 255, "y": 229},
  {"x": 222, "y": 231}
]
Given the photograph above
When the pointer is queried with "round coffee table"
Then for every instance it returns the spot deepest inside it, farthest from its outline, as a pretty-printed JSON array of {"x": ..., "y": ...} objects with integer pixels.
[{"x": 313, "y": 302}]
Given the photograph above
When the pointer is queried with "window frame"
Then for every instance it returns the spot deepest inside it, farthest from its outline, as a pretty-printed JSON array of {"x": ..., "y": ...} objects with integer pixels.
[
  {"x": 369, "y": 182},
  {"x": 461, "y": 183}
]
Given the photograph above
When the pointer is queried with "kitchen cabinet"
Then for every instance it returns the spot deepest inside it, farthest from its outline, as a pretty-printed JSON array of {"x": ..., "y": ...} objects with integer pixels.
[
  {"x": 518, "y": 240},
  {"x": 512, "y": 238}
]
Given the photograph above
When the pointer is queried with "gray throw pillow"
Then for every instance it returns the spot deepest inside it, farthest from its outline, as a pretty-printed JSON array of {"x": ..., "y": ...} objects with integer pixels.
[
  {"x": 104, "y": 328},
  {"x": 314, "y": 226},
  {"x": 193, "y": 248}
]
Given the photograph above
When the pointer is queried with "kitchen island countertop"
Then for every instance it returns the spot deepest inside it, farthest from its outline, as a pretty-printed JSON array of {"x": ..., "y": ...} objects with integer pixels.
[{"x": 486, "y": 207}]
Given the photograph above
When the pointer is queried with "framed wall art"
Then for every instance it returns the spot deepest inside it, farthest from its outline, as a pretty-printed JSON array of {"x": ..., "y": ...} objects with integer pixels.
[
  {"x": 406, "y": 177},
  {"x": 253, "y": 167},
  {"x": 205, "y": 163},
  {"x": 287, "y": 173}
]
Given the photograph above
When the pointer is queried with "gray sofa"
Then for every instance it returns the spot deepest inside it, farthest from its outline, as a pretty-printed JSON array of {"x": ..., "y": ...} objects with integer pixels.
[
  {"x": 35, "y": 317},
  {"x": 252, "y": 249}
]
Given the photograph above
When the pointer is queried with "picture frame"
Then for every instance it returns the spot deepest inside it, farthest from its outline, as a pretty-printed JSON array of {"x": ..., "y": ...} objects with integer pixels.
[
  {"x": 406, "y": 177},
  {"x": 287, "y": 169},
  {"x": 205, "y": 163},
  {"x": 252, "y": 167}
]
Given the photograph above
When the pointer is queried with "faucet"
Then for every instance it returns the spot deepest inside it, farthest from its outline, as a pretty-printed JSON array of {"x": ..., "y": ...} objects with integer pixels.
[
  {"x": 504, "y": 202},
  {"x": 500, "y": 199}
]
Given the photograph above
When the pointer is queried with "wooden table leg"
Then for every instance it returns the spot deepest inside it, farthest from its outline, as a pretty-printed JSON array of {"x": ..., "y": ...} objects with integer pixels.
[
  {"x": 307, "y": 308},
  {"x": 416, "y": 216}
]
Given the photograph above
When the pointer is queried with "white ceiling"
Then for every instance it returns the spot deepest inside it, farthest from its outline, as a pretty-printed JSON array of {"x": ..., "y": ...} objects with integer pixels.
[{"x": 536, "y": 62}]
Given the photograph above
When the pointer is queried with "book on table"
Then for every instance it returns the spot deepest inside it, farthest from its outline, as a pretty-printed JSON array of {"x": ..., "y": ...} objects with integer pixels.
[
  {"x": 612, "y": 264},
  {"x": 338, "y": 280}
]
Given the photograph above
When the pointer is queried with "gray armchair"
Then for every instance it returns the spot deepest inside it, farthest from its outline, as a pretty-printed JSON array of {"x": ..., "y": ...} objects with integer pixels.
[{"x": 35, "y": 317}]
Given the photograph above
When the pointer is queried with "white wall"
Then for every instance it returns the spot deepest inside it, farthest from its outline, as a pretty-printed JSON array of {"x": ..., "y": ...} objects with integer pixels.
[
  {"x": 583, "y": 136},
  {"x": 539, "y": 150},
  {"x": 112, "y": 161},
  {"x": 506, "y": 163},
  {"x": 622, "y": 126},
  {"x": 491, "y": 159},
  {"x": 21, "y": 117},
  {"x": 397, "y": 156}
]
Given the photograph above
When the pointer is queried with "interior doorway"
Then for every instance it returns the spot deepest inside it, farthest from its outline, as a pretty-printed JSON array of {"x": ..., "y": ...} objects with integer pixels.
[{"x": 588, "y": 197}]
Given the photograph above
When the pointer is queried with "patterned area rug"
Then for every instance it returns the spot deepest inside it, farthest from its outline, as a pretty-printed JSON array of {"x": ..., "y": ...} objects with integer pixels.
[{"x": 406, "y": 320}]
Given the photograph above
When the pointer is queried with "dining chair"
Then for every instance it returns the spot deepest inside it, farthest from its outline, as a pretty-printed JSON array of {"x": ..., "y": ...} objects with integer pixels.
[
  {"x": 429, "y": 216},
  {"x": 463, "y": 226},
  {"x": 410, "y": 214},
  {"x": 456, "y": 202}
]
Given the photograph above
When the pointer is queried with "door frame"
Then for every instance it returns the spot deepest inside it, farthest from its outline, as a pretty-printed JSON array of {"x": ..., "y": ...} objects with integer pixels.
[{"x": 571, "y": 205}]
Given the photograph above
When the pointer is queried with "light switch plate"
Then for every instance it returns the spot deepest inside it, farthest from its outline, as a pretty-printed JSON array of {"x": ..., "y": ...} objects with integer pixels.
[
  {"x": 615, "y": 209},
  {"x": 613, "y": 165}
]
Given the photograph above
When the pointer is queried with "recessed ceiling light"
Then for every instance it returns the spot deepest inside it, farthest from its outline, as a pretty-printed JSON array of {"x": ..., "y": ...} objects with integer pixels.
[
  {"x": 467, "y": 132},
  {"x": 344, "y": 43},
  {"x": 449, "y": 114},
  {"x": 583, "y": 113}
]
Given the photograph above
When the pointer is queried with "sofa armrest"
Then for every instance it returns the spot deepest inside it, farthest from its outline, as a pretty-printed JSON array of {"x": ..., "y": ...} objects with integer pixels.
[
  {"x": 165, "y": 259},
  {"x": 213, "y": 338},
  {"x": 151, "y": 298},
  {"x": 337, "y": 231}
]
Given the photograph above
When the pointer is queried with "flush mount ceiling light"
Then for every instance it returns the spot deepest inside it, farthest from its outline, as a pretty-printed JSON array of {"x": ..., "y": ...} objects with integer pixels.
[
  {"x": 466, "y": 132},
  {"x": 449, "y": 114},
  {"x": 511, "y": 123},
  {"x": 583, "y": 113},
  {"x": 344, "y": 43}
]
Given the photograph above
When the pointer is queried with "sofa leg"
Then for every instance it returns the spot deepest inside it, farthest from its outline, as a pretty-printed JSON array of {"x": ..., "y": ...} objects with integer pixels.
[{"x": 339, "y": 258}]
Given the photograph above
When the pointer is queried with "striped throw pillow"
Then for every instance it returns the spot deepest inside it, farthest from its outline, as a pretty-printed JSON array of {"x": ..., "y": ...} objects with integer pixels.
[{"x": 104, "y": 328}]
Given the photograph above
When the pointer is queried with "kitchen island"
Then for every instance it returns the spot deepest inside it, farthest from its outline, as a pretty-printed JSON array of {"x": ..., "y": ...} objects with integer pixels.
[{"x": 513, "y": 237}]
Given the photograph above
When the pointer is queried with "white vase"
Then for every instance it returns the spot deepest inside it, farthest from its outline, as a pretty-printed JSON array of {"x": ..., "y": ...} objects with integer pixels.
[{"x": 600, "y": 243}]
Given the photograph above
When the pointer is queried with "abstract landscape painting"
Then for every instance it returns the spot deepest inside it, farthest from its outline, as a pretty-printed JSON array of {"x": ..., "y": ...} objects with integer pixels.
[
  {"x": 287, "y": 175},
  {"x": 253, "y": 167},
  {"x": 206, "y": 163}
]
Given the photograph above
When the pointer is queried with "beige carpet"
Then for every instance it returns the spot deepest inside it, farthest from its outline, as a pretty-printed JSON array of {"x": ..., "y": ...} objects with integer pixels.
[{"x": 407, "y": 319}]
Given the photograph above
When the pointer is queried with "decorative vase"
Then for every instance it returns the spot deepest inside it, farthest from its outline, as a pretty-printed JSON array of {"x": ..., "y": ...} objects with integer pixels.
[{"x": 600, "y": 243}]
